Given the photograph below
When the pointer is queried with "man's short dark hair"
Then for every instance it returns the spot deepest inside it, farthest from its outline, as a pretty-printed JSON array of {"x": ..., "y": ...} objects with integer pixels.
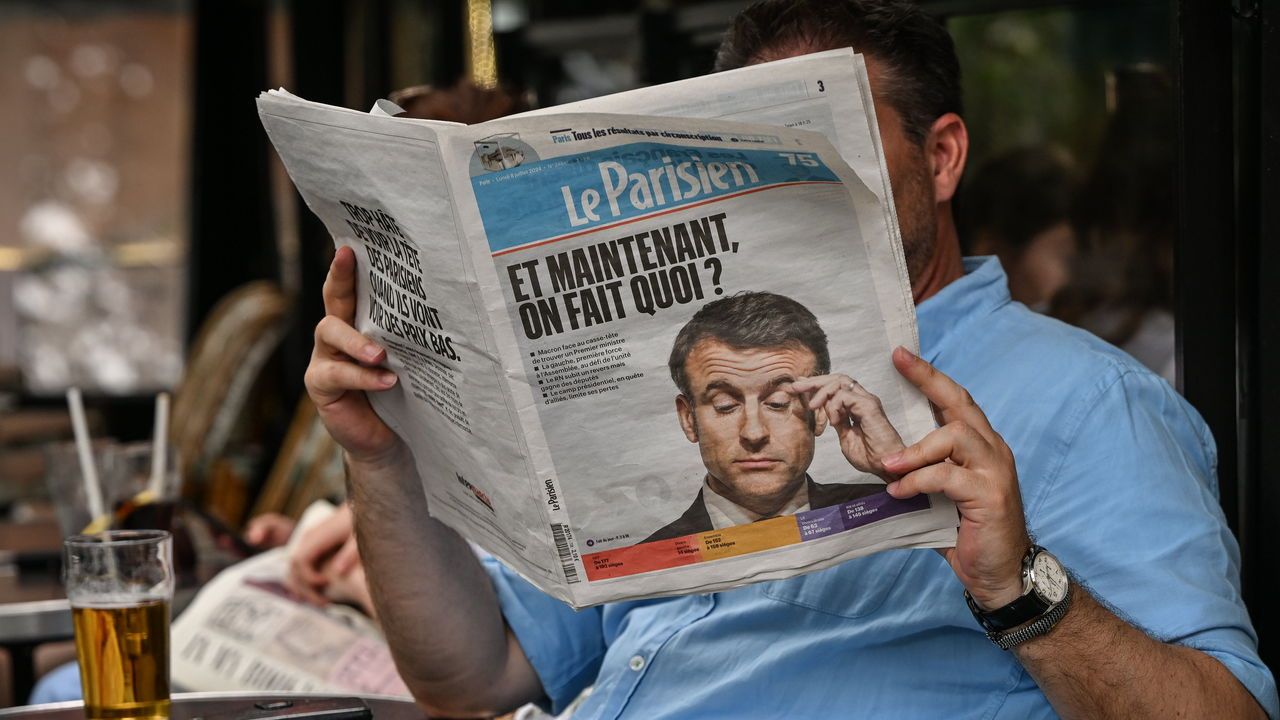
[
  {"x": 917, "y": 57},
  {"x": 749, "y": 320}
]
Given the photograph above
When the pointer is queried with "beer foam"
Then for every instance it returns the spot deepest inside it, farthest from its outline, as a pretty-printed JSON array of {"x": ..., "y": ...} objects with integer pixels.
[{"x": 117, "y": 602}]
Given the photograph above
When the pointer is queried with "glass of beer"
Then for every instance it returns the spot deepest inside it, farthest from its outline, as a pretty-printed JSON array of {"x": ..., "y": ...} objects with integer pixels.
[{"x": 120, "y": 584}]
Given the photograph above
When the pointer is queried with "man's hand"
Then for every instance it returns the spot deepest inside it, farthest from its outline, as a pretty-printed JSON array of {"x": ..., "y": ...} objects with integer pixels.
[
  {"x": 268, "y": 530},
  {"x": 969, "y": 463},
  {"x": 344, "y": 365},
  {"x": 1092, "y": 664},
  {"x": 324, "y": 552},
  {"x": 351, "y": 589},
  {"x": 866, "y": 435}
]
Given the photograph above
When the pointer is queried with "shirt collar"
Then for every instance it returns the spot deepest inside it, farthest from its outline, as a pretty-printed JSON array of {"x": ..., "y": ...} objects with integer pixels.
[
  {"x": 980, "y": 291},
  {"x": 726, "y": 513}
]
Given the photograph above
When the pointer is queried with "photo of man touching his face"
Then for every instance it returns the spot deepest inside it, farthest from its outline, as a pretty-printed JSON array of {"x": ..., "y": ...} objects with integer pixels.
[{"x": 756, "y": 390}]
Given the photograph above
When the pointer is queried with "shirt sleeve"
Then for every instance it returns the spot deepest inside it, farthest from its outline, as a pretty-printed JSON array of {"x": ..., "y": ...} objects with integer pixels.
[
  {"x": 565, "y": 646},
  {"x": 1132, "y": 510}
]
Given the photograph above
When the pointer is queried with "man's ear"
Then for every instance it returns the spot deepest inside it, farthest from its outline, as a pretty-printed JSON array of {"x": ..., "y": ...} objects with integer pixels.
[
  {"x": 687, "y": 422},
  {"x": 947, "y": 149}
]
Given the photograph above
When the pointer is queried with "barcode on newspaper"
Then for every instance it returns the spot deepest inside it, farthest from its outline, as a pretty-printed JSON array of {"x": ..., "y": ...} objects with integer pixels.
[{"x": 561, "y": 535}]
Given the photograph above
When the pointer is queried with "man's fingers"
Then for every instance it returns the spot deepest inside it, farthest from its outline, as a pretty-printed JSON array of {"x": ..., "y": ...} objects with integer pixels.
[
  {"x": 328, "y": 380},
  {"x": 268, "y": 530},
  {"x": 951, "y": 480},
  {"x": 844, "y": 407},
  {"x": 851, "y": 403},
  {"x": 952, "y": 400},
  {"x": 336, "y": 335},
  {"x": 340, "y": 286},
  {"x": 811, "y": 388},
  {"x": 820, "y": 388},
  {"x": 805, "y": 384},
  {"x": 306, "y": 571},
  {"x": 842, "y": 432},
  {"x": 866, "y": 410},
  {"x": 955, "y": 441},
  {"x": 940, "y": 389},
  {"x": 835, "y": 411},
  {"x": 305, "y": 581},
  {"x": 346, "y": 558},
  {"x": 819, "y": 422}
]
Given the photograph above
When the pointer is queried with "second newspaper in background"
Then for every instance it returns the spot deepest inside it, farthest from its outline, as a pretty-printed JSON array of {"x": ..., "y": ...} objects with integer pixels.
[{"x": 597, "y": 320}]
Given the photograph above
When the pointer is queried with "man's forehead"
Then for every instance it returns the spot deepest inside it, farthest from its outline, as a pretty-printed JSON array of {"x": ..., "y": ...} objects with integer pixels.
[{"x": 712, "y": 360}]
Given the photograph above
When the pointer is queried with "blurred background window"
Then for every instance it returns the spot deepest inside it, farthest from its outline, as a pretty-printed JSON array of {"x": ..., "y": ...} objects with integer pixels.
[
  {"x": 1071, "y": 178},
  {"x": 94, "y": 134},
  {"x": 1034, "y": 77}
]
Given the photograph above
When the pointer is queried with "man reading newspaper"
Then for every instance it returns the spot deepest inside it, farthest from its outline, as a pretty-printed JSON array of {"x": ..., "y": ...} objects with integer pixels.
[{"x": 1044, "y": 430}]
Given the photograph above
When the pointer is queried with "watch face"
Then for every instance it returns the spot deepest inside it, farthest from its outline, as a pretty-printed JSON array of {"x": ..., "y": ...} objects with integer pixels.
[{"x": 1049, "y": 577}]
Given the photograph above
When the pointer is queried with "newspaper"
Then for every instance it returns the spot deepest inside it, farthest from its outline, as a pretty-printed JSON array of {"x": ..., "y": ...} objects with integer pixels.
[
  {"x": 533, "y": 277},
  {"x": 818, "y": 92},
  {"x": 245, "y": 632}
]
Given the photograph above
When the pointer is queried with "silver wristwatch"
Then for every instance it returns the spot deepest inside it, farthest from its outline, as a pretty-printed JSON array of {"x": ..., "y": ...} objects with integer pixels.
[{"x": 1045, "y": 599}]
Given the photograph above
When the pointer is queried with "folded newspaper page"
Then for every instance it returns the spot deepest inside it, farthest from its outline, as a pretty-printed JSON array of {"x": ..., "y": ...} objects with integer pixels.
[
  {"x": 245, "y": 632},
  {"x": 827, "y": 92},
  {"x": 601, "y": 322}
]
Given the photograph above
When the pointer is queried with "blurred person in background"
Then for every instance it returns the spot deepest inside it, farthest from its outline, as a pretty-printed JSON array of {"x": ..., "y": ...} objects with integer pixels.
[
  {"x": 1018, "y": 208},
  {"x": 1121, "y": 287}
]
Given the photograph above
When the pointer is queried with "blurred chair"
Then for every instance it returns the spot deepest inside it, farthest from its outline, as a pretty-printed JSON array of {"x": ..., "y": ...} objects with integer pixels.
[
  {"x": 308, "y": 468},
  {"x": 228, "y": 355}
]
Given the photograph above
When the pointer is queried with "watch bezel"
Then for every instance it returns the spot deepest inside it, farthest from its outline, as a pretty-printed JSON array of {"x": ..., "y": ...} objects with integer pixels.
[{"x": 1037, "y": 583}]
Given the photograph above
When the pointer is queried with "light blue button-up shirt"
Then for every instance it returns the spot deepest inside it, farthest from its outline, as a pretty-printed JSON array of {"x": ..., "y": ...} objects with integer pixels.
[{"x": 1118, "y": 480}]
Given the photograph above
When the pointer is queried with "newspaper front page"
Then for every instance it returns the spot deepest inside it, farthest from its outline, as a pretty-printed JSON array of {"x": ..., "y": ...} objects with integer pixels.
[
  {"x": 827, "y": 92},
  {"x": 597, "y": 319}
]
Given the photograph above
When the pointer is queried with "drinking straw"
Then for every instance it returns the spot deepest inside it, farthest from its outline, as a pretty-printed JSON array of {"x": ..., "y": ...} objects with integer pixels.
[
  {"x": 92, "y": 489},
  {"x": 159, "y": 446}
]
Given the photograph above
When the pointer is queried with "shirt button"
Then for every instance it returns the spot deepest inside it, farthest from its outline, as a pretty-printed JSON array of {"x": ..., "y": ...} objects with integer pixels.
[{"x": 637, "y": 663}]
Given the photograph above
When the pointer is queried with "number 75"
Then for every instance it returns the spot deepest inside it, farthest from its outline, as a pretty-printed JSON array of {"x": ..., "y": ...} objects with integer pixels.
[{"x": 805, "y": 159}]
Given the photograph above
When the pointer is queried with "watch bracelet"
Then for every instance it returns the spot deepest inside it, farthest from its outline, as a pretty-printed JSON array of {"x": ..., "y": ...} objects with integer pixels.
[{"x": 1012, "y": 638}]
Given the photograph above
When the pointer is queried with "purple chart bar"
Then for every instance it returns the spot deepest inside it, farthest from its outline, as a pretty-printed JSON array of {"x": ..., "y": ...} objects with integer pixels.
[{"x": 822, "y": 522}]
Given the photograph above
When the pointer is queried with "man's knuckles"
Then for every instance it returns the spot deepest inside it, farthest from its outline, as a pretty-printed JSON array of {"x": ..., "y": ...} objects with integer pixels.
[
  {"x": 315, "y": 382},
  {"x": 959, "y": 396},
  {"x": 335, "y": 333},
  {"x": 963, "y": 435}
]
